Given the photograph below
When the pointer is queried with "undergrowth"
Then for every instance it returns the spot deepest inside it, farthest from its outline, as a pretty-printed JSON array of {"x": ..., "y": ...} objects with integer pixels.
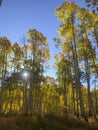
[{"x": 46, "y": 122}]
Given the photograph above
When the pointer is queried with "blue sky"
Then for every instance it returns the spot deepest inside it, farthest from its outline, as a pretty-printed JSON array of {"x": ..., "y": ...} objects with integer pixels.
[{"x": 18, "y": 16}]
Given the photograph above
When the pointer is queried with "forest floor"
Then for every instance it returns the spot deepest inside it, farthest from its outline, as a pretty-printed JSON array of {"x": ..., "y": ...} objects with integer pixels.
[{"x": 46, "y": 122}]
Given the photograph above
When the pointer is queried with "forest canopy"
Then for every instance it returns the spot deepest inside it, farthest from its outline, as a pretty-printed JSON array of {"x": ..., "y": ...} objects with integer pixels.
[{"x": 24, "y": 89}]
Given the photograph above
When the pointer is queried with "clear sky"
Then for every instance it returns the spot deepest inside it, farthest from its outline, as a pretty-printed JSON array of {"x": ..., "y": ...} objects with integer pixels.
[{"x": 18, "y": 16}]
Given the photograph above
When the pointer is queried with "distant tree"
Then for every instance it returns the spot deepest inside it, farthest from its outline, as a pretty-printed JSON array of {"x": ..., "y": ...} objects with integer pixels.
[
  {"x": 0, "y": 2},
  {"x": 17, "y": 57},
  {"x": 39, "y": 56},
  {"x": 68, "y": 32},
  {"x": 63, "y": 67},
  {"x": 92, "y": 5},
  {"x": 86, "y": 51},
  {"x": 5, "y": 51}
]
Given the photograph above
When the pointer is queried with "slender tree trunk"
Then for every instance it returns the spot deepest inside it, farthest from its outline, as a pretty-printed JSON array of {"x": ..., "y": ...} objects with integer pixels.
[
  {"x": 7, "y": 101},
  {"x": 90, "y": 103},
  {"x": 73, "y": 98},
  {"x": 25, "y": 99},
  {"x": 87, "y": 69},
  {"x": 11, "y": 101},
  {"x": 65, "y": 95},
  {"x": 77, "y": 75},
  {"x": 1, "y": 99},
  {"x": 96, "y": 36}
]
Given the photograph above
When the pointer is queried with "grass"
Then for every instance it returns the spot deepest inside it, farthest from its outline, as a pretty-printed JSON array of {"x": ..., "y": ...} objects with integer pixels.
[{"x": 46, "y": 122}]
